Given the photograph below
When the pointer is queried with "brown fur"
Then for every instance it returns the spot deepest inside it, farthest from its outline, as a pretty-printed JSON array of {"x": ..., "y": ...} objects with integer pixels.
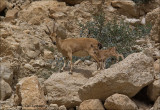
[
  {"x": 105, "y": 54},
  {"x": 76, "y": 47}
]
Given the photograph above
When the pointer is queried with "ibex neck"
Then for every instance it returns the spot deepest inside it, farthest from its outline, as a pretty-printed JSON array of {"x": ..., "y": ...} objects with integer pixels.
[{"x": 59, "y": 42}]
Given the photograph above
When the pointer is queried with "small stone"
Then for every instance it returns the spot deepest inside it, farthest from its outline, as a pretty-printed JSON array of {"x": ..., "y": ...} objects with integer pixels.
[
  {"x": 62, "y": 107},
  {"x": 53, "y": 106}
]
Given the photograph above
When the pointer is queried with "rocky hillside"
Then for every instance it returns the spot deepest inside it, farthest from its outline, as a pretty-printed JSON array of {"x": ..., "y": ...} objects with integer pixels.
[{"x": 30, "y": 63}]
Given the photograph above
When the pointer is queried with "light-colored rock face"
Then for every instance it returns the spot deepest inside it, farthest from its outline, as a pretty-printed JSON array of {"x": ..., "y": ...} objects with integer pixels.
[
  {"x": 48, "y": 54},
  {"x": 127, "y": 77},
  {"x": 62, "y": 88},
  {"x": 155, "y": 32},
  {"x": 125, "y": 7},
  {"x": 5, "y": 49},
  {"x": 38, "y": 10},
  {"x": 154, "y": 90},
  {"x": 157, "y": 104},
  {"x": 30, "y": 93},
  {"x": 91, "y": 104},
  {"x": 5, "y": 90},
  {"x": 156, "y": 66},
  {"x": 6, "y": 73},
  {"x": 119, "y": 102},
  {"x": 11, "y": 14},
  {"x": 152, "y": 16}
]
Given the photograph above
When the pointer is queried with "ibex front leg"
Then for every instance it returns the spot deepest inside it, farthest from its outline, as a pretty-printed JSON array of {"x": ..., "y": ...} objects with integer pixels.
[
  {"x": 64, "y": 64},
  {"x": 71, "y": 64}
]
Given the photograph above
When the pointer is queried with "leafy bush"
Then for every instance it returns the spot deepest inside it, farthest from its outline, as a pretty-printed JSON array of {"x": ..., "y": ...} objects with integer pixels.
[{"x": 114, "y": 33}]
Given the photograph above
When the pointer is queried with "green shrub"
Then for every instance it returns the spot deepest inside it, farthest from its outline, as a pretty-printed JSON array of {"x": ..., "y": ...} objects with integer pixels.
[{"x": 114, "y": 33}]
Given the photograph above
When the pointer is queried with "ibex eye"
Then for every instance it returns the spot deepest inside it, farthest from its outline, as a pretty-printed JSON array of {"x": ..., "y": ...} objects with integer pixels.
[{"x": 54, "y": 43}]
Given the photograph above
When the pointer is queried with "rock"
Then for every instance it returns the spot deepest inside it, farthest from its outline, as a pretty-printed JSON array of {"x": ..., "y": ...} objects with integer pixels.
[
  {"x": 73, "y": 2},
  {"x": 31, "y": 47},
  {"x": 19, "y": 107},
  {"x": 88, "y": 62},
  {"x": 141, "y": 41},
  {"x": 6, "y": 73},
  {"x": 119, "y": 102},
  {"x": 132, "y": 21},
  {"x": 32, "y": 54},
  {"x": 78, "y": 62},
  {"x": 37, "y": 12},
  {"x": 29, "y": 67},
  {"x": 155, "y": 32},
  {"x": 54, "y": 107},
  {"x": 154, "y": 90},
  {"x": 11, "y": 14},
  {"x": 36, "y": 20},
  {"x": 61, "y": 32},
  {"x": 156, "y": 66},
  {"x": 62, "y": 88},
  {"x": 30, "y": 93},
  {"x": 125, "y": 7},
  {"x": 143, "y": 20},
  {"x": 156, "y": 105},
  {"x": 58, "y": 15},
  {"x": 2, "y": 5},
  {"x": 127, "y": 77},
  {"x": 5, "y": 49},
  {"x": 91, "y": 104},
  {"x": 48, "y": 54},
  {"x": 62, "y": 107},
  {"x": 5, "y": 33},
  {"x": 38, "y": 63},
  {"x": 6, "y": 90},
  {"x": 152, "y": 16}
]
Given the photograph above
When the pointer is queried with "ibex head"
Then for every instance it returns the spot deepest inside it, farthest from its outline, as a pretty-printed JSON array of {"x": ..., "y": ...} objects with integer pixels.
[{"x": 52, "y": 35}]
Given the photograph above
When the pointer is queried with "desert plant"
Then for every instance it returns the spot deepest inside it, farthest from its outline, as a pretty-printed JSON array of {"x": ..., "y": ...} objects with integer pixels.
[{"x": 114, "y": 33}]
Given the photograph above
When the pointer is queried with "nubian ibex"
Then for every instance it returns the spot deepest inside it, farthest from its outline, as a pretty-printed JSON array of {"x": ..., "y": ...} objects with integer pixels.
[
  {"x": 105, "y": 54},
  {"x": 75, "y": 47}
]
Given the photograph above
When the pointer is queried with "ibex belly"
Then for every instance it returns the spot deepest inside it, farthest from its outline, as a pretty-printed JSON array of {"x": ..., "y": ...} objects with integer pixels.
[{"x": 80, "y": 54}]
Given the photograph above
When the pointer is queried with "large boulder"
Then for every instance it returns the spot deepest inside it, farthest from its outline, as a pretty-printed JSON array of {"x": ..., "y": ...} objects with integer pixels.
[
  {"x": 157, "y": 104},
  {"x": 11, "y": 14},
  {"x": 37, "y": 12},
  {"x": 6, "y": 72},
  {"x": 155, "y": 32},
  {"x": 62, "y": 88},
  {"x": 125, "y": 7},
  {"x": 154, "y": 90},
  {"x": 2, "y": 5},
  {"x": 127, "y": 77},
  {"x": 30, "y": 94},
  {"x": 119, "y": 102},
  {"x": 152, "y": 16},
  {"x": 5, "y": 89},
  {"x": 5, "y": 49},
  {"x": 156, "y": 66},
  {"x": 91, "y": 104}
]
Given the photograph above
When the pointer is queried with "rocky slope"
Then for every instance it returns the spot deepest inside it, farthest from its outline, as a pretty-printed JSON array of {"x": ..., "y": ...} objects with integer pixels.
[{"x": 29, "y": 62}]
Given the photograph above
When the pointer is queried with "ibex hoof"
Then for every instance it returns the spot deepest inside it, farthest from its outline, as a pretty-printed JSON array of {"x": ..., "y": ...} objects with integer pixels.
[
  {"x": 61, "y": 71},
  {"x": 70, "y": 73}
]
